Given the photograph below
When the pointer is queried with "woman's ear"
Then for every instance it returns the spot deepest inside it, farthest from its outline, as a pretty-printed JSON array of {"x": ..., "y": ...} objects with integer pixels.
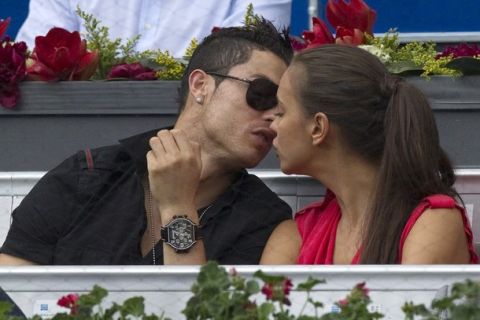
[
  {"x": 320, "y": 128},
  {"x": 197, "y": 83}
]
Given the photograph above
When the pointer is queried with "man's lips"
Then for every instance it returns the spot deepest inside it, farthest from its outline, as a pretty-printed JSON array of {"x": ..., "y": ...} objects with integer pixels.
[{"x": 267, "y": 134}]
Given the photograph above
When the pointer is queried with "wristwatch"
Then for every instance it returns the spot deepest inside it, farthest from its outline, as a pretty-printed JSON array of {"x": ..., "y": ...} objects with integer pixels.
[{"x": 181, "y": 233}]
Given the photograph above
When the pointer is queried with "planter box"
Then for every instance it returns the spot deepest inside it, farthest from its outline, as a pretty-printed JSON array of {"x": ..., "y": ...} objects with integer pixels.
[
  {"x": 54, "y": 120},
  {"x": 456, "y": 105}
]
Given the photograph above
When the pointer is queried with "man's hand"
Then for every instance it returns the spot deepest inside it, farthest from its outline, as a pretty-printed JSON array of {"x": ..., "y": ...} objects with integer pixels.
[{"x": 174, "y": 168}]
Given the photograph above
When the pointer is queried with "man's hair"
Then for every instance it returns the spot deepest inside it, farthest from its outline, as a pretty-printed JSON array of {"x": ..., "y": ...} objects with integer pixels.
[{"x": 228, "y": 47}]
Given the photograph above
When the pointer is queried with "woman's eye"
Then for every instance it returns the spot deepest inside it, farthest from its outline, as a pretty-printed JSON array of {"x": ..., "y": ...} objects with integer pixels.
[{"x": 279, "y": 114}]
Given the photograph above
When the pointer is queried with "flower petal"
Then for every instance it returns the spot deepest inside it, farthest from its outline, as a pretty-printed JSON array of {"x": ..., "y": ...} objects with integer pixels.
[
  {"x": 354, "y": 15},
  {"x": 3, "y": 26},
  {"x": 347, "y": 36},
  {"x": 9, "y": 98},
  {"x": 87, "y": 66},
  {"x": 320, "y": 34},
  {"x": 40, "y": 71}
]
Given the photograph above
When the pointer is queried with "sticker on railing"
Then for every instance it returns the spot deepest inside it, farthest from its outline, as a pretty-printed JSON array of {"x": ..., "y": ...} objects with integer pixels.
[{"x": 47, "y": 308}]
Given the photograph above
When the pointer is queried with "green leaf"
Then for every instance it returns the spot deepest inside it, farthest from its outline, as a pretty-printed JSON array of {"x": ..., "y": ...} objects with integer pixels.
[
  {"x": 152, "y": 64},
  {"x": 63, "y": 316},
  {"x": 268, "y": 278},
  {"x": 309, "y": 284},
  {"x": 5, "y": 307},
  {"x": 265, "y": 310},
  {"x": 316, "y": 304},
  {"x": 252, "y": 287},
  {"x": 93, "y": 298},
  {"x": 404, "y": 68},
  {"x": 112, "y": 310},
  {"x": 134, "y": 306},
  {"x": 466, "y": 65}
]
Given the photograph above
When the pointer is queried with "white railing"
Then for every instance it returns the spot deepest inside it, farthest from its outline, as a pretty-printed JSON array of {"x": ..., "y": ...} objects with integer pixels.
[{"x": 167, "y": 288}]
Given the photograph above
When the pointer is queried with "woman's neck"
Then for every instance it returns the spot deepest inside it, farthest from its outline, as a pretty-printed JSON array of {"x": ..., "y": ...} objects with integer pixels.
[{"x": 353, "y": 182}]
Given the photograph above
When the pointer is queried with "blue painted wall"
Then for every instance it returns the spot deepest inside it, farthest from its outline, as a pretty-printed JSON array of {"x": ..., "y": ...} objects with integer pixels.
[
  {"x": 17, "y": 10},
  {"x": 406, "y": 15}
]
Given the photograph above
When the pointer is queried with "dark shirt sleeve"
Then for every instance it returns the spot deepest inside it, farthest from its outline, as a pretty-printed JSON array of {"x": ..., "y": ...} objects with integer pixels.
[{"x": 44, "y": 215}]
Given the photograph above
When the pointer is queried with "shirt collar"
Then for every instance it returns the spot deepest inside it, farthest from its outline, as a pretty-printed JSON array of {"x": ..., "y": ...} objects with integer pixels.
[{"x": 137, "y": 147}]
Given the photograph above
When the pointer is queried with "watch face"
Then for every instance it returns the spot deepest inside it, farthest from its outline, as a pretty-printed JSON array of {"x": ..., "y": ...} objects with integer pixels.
[{"x": 181, "y": 234}]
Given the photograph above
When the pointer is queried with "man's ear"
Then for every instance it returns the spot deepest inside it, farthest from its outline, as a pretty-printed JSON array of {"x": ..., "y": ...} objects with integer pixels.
[
  {"x": 320, "y": 128},
  {"x": 197, "y": 83}
]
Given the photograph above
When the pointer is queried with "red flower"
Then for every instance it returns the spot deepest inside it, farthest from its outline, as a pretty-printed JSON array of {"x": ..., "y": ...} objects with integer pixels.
[
  {"x": 461, "y": 50},
  {"x": 233, "y": 272},
  {"x": 133, "y": 71},
  {"x": 354, "y": 15},
  {"x": 348, "y": 36},
  {"x": 69, "y": 301},
  {"x": 3, "y": 26},
  {"x": 12, "y": 71},
  {"x": 267, "y": 290},
  {"x": 363, "y": 289},
  {"x": 61, "y": 55},
  {"x": 278, "y": 291},
  {"x": 320, "y": 34},
  {"x": 343, "y": 302},
  {"x": 287, "y": 286}
]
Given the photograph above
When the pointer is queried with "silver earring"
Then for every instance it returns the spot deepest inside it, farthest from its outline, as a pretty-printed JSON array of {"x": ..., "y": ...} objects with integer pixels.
[{"x": 199, "y": 99}]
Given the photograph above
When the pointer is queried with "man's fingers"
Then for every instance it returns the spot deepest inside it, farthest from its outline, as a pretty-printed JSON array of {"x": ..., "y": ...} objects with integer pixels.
[
  {"x": 156, "y": 147},
  {"x": 168, "y": 141},
  {"x": 181, "y": 140}
]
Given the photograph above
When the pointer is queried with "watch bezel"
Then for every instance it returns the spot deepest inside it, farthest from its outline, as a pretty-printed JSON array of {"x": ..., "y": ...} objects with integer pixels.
[{"x": 166, "y": 232}]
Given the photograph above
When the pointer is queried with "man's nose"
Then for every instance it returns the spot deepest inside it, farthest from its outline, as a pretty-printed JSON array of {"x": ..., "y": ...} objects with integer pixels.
[{"x": 269, "y": 115}]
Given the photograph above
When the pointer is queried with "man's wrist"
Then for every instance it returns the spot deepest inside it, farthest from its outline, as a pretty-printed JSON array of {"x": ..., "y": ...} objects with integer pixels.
[
  {"x": 167, "y": 214},
  {"x": 181, "y": 234}
]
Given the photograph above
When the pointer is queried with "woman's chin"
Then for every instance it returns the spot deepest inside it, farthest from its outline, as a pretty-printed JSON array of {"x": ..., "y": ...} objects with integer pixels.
[{"x": 285, "y": 169}]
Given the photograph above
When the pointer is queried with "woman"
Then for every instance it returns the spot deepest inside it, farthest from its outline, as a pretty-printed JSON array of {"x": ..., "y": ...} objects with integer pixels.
[{"x": 371, "y": 139}]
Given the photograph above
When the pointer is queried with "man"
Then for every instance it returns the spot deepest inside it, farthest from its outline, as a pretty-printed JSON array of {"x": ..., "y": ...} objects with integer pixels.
[{"x": 179, "y": 196}]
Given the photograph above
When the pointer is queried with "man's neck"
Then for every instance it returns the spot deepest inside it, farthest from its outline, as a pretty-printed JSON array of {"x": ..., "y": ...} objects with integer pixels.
[{"x": 217, "y": 172}]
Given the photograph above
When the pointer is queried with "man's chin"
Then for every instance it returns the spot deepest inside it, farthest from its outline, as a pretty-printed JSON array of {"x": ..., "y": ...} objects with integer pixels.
[{"x": 252, "y": 162}]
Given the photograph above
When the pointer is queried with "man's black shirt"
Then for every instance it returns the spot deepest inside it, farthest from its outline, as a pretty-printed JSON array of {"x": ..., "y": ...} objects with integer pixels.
[{"x": 91, "y": 211}]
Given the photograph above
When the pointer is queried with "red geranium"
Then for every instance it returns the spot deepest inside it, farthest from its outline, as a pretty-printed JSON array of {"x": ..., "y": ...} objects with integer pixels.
[
  {"x": 133, "y": 71},
  {"x": 61, "y": 55},
  {"x": 69, "y": 301},
  {"x": 278, "y": 290},
  {"x": 12, "y": 67}
]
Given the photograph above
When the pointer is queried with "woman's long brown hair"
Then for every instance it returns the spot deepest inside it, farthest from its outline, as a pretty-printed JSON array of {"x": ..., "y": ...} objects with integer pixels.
[{"x": 387, "y": 121}]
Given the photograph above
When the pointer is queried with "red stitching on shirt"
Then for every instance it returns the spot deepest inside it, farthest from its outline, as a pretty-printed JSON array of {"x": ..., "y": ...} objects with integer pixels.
[{"x": 89, "y": 158}]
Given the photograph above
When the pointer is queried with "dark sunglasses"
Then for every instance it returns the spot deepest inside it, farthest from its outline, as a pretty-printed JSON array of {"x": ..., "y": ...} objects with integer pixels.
[{"x": 261, "y": 93}]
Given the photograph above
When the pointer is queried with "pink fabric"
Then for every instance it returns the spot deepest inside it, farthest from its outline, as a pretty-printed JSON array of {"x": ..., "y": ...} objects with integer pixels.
[{"x": 318, "y": 224}]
